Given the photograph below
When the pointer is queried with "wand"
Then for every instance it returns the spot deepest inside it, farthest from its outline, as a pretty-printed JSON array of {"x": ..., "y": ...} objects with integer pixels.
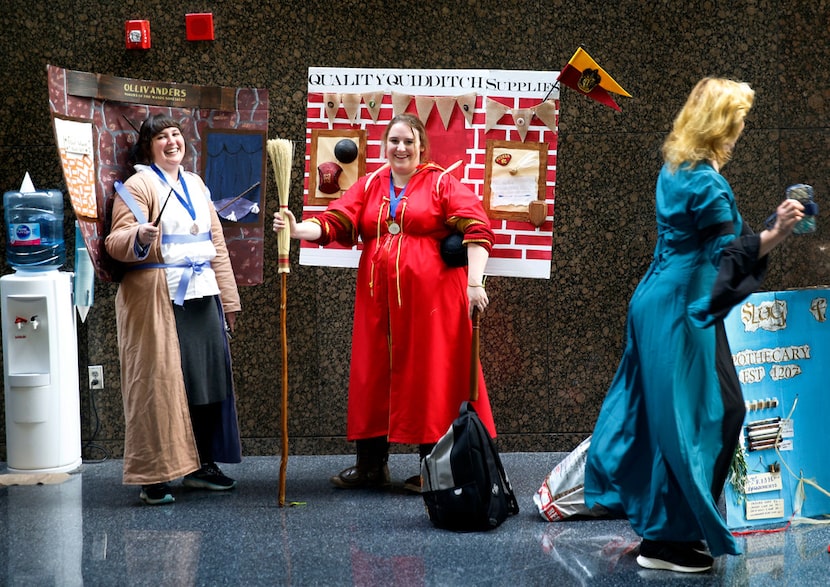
[
  {"x": 167, "y": 199},
  {"x": 245, "y": 193}
]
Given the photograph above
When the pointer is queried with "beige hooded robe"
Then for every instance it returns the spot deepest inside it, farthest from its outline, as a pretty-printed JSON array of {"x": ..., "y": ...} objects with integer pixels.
[{"x": 159, "y": 444}]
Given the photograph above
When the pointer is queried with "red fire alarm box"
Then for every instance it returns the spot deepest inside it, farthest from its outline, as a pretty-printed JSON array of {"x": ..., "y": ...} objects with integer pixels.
[
  {"x": 137, "y": 34},
  {"x": 199, "y": 26}
]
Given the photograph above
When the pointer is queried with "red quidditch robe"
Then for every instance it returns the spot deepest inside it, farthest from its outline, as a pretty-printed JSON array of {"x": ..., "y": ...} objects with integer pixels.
[{"x": 412, "y": 337}]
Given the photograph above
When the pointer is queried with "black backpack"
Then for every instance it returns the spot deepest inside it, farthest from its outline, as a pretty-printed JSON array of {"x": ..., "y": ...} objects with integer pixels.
[{"x": 465, "y": 487}]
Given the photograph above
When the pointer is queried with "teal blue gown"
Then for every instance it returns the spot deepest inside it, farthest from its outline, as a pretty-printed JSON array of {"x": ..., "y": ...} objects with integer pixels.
[{"x": 668, "y": 427}]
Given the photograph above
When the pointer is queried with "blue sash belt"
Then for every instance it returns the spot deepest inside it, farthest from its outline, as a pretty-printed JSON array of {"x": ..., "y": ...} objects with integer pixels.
[{"x": 194, "y": 267}]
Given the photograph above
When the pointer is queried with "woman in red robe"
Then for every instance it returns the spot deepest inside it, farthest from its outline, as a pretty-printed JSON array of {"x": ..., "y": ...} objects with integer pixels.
[{"x": 412, "y": 334}]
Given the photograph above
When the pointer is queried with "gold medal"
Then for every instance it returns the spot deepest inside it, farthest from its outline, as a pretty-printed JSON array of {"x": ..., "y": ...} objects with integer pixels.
[
  {"x": 394, "y": 228},
  {"x": 194, "y": 230}
]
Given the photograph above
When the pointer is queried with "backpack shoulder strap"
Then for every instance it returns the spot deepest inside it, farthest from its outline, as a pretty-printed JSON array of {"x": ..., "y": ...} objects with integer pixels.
[
  {"x": 130, "y": 201},
  {"x": 493, "y": 453}
]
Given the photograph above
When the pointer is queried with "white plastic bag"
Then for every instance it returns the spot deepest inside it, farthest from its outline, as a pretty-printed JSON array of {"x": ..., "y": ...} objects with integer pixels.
[{"x": 562, "y": 495}]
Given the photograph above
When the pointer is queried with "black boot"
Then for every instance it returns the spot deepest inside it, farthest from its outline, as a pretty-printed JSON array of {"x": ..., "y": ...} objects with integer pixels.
[{"x": 370, "y": 470}]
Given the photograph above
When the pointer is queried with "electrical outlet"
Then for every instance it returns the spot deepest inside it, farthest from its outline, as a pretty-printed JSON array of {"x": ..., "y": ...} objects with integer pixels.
[{"x": 96, "y": 377}]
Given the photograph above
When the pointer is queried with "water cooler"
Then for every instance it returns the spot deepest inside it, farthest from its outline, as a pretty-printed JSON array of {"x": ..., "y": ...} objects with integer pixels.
[{"x": 40, "y": 349}]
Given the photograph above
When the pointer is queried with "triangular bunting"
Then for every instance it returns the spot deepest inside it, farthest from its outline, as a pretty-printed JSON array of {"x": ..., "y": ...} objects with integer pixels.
[
  {"x": 373, "y": 102},
  {"x": 494, "y": 112},
  {"x": 424, "y": 104},
  {"x": 351, "y": 103},
  {"x": 400, "y": 102},
  {"x": 546, "y": 112},
  {"x": 445, "y": 105},
  {"x": 467, "y": 103},
  {"x": 332, "y": 104},
  {"x": 521, "y": 118}
]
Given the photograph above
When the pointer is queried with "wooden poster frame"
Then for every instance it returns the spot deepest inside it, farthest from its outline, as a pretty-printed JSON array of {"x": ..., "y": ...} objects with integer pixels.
[
  {"x": 322, "y": 150},
  {"x": 518, "y": 150}
]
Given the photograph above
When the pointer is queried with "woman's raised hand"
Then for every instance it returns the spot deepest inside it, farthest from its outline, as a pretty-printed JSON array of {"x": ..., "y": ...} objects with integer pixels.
[{"x": 279, "y": 222}]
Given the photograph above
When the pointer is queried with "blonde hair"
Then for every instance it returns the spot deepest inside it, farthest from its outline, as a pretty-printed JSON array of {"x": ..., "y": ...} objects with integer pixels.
[{"x": 710, "y": 122}]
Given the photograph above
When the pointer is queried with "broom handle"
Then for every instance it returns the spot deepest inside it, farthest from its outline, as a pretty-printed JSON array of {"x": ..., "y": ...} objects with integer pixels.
[
  {"x": 284, "y": 407},
  {"x": 474, "y": 355}
]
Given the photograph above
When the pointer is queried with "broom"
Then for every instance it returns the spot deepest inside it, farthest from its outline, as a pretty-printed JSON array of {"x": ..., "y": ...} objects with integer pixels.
[{"x": 281, "y": 154}]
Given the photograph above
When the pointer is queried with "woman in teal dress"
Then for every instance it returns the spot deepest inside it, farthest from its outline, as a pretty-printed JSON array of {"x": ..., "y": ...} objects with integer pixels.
[{"x": 668, "y": 428}]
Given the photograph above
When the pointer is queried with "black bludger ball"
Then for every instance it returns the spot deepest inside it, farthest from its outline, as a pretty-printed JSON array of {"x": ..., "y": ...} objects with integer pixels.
[{"x": 345, "y": 151}]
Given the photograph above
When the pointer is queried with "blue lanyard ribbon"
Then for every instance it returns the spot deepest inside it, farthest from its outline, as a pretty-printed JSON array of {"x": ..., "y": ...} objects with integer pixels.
[
  {"x": 186, "y": 201},
  {"x": 394, "y": 199}
]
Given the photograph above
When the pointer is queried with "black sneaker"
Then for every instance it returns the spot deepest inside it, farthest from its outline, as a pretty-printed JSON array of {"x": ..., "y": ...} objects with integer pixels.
[
  {"x": 673, "y": 556},
  {"x": 209, "y": 477},
  {"x": 156, "y": 494}
]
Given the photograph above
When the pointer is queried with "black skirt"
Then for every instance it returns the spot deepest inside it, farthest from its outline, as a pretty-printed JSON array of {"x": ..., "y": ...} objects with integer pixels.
[{"x": 201, "y": 333}]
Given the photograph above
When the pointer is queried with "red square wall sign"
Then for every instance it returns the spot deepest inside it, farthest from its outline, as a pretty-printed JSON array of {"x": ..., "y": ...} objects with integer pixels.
[{"x": 199, "y": 26}]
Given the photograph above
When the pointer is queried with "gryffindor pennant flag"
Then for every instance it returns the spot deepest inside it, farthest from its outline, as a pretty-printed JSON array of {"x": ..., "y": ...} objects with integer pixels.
[{"x": 584, "y": 75}]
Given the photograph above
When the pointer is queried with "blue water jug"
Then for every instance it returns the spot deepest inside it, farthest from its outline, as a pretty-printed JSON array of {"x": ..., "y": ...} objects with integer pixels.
[{"x": 34, "y": 230}]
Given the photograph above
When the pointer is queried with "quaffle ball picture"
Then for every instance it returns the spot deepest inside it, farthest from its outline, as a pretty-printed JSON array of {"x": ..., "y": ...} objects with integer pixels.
[{"x": 338, "y": 160}]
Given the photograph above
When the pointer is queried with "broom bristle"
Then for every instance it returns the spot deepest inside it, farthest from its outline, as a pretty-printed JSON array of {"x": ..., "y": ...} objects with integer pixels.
[{"x": 281, "y": 154}]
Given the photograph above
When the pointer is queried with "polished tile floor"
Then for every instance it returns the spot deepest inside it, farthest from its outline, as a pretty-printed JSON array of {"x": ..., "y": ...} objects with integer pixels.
[{"x": 91, "y": 530}]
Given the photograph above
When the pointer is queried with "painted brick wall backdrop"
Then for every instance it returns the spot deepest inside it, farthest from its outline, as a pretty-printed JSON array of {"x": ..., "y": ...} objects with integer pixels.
[
  {"x": 549, "y": 346},
  {"x": 458, "y": 144}
]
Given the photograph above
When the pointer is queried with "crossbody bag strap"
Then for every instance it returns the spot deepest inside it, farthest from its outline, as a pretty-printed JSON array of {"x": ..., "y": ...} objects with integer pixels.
[{"x": 130, "y": 201}]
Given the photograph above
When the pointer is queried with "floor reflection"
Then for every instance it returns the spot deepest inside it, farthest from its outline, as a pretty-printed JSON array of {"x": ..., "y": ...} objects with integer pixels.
[
  {"x": 92, "y": 530},
  {"x": 585, "y": 557},
  {"x": 45, "y": 529}
]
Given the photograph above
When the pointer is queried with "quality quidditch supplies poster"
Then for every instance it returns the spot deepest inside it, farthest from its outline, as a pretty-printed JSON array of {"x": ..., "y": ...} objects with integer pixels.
[
  {"x": 780, "y": 342},
  {"x": 498, "y": 128}
]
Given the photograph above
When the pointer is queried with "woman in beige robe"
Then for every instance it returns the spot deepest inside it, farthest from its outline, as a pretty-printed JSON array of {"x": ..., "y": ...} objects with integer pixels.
[{"x": 159, "y": 439}]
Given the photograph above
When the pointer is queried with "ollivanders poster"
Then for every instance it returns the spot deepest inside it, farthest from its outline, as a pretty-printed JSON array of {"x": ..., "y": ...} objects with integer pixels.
[
  {"x": 96, "y": 119},
  {"x": 779, "y": 342},
  {"x": 496, "y": 130}
]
